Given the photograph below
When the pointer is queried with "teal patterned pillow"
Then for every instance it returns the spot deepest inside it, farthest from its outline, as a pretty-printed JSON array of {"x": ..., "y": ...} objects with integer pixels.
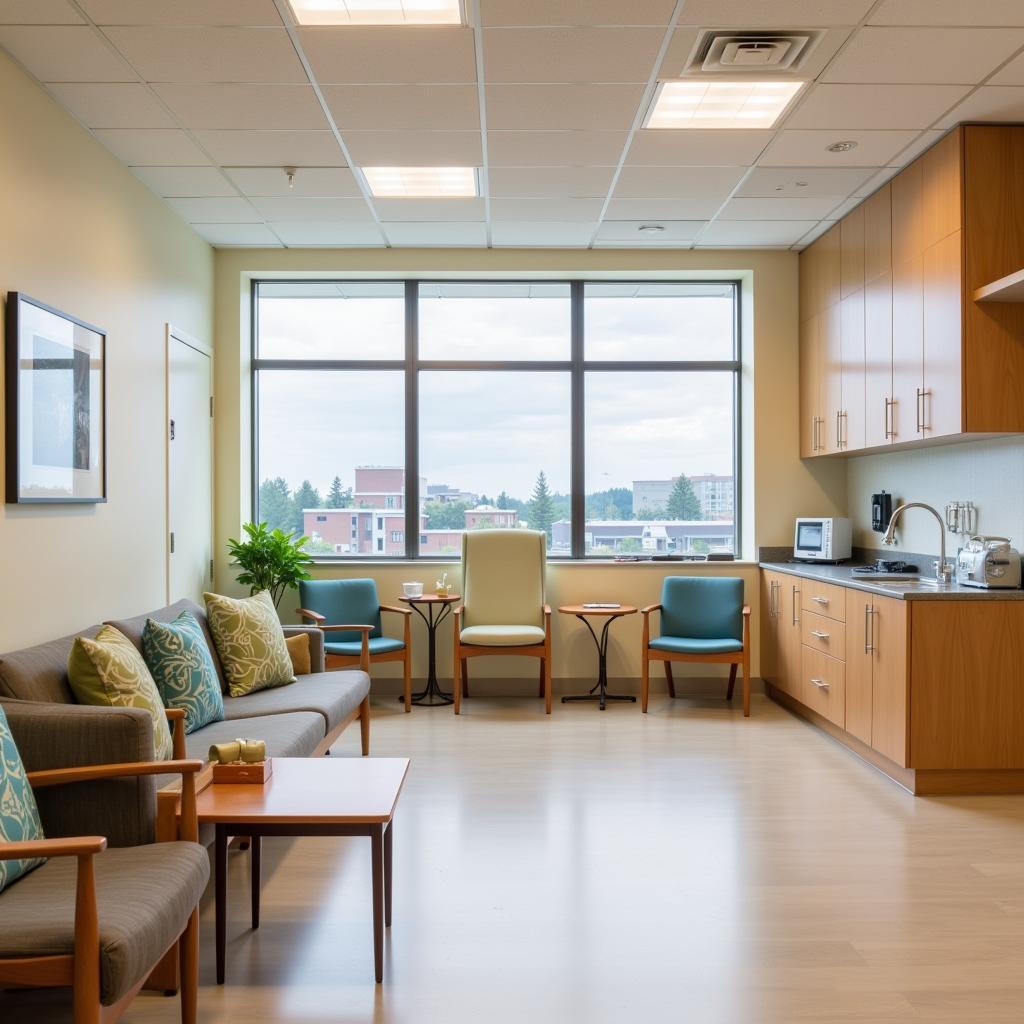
[
  {"x": 19, "y": 816},
  {"x": 179, "y": 659}
]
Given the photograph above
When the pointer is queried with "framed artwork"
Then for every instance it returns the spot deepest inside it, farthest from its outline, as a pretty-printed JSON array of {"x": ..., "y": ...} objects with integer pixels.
[{"x": 55, "y": 406}]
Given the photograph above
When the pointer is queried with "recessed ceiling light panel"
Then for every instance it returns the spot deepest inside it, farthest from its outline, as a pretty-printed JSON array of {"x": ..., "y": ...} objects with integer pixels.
[
  {"x": 422, "y": 182},
  {"x": 377, "y": 12},
  {"x": 693, "y": 103}
]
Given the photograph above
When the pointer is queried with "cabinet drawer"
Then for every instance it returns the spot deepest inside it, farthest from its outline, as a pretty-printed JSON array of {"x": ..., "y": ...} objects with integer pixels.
[
  {"x": 824, "y": 634},
  {"x": 823, "y": 685},
  {"x": 824, "y": 599}
]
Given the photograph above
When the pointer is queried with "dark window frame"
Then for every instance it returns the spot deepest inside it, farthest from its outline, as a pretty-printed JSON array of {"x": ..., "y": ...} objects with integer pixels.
[{"x": 577, "y": 366}]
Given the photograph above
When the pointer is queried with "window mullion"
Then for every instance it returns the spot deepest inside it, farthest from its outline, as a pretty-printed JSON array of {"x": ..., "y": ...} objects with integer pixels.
[
  {"x": 412, "y": 425},
  {"x": 577, "y": 486}
]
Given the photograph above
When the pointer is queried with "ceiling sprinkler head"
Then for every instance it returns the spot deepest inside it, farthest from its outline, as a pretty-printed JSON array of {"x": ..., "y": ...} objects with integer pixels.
[
  {"x": 290, "y": 171},
  {"x": 841, "y": 147}
]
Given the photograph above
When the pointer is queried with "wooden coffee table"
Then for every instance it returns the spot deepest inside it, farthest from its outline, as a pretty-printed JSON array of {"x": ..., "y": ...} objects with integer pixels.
[{"x": 314, "y": 796}]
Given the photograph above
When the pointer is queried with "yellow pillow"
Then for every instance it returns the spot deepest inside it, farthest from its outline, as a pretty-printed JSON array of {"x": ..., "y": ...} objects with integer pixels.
[{"x": 298, "y": 651}]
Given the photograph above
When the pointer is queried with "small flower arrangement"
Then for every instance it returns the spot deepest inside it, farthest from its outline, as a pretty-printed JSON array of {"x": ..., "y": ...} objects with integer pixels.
[{"x": 441, "y": 587}]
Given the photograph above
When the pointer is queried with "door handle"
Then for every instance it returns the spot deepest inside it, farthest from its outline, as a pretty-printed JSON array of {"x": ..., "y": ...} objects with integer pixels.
[{"x": 819, "y": 634}]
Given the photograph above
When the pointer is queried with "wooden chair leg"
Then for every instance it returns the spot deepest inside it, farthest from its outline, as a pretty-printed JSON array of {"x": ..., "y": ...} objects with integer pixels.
[
  {"x": 645, "y": 679},
  {"x": 540, "y": 679},
  {"x": 546, "y": 669},
  {"x": 668, "y": 678},
  {"x": 746, "y": 683},
  {"x": 364, "y": 725},
  {"x": 732, "y": 680},
  {"x": 86, "y": 990},
  {"x": 188, "y": 959},
  {"x": 457, "y": 681},
  {"x": 407, "y": 680},
  {"x": 465, "y": 677}
]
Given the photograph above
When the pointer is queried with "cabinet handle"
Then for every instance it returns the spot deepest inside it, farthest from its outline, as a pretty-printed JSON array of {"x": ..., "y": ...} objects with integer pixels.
[
  {"x": 846, "y": 429},
  {"x": 819, "y": 634},
  {"x": 839, "y": 429},
  {"x": 796, "y": 605},
  {"x": 819, "y": 683},
  {"x": 776, "y": 587},
  {"x": 869, "y": 628},
  {"x": 922, "y": 395},
  {"x": 889, "y": 432},
  {"x": 814, "y": 433},
  {"x": 820, "y": 600}
]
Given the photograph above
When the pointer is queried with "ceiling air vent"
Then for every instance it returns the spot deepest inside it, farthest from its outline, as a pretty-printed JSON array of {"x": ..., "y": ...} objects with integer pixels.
[{"x": 735, "y": 52}]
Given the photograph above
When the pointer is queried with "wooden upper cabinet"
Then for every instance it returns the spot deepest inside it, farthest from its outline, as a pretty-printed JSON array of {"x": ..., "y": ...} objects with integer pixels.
[
  {"x": 829, "y": 269},
  {"x": 878, "y": 233},
  {"x": 851, "y": 253},
  {"x": 810, "y": 389},
  {"x": 830, "y": 435},
  {"x": 907, "y": 214},
  {"x": 941, "y": 191},
  {"x": 942, "y": 336},
  {"x": 810, "y": 260},
  {"x": 852, "y": 426},
  {"x": 878, "y": 410}
]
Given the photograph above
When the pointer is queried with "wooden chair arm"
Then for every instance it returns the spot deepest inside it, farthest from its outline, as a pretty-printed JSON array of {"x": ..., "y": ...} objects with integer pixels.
[
  {"x": 746, "y": 610},
  {"x": 69, "y": 846},
  {"x": 307, "y": 614},
  {"x": 343, "y": 628},
  {"x": 547, "y": 609},
  {"x": 458, "y": 610},
  {"x": 397, "y": 611},
  {"x": 176, "y": 719},
  {"x": 650, "y": 608},
  {"x": 95, "y": 772}
]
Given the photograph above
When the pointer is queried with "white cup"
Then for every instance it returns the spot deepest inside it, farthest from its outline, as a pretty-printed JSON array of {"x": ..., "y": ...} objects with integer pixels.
[{"x": 412, "y": 589}]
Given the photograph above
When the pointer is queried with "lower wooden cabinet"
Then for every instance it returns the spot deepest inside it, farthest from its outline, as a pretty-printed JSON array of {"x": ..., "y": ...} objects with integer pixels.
[
  {"x": 780, "y": 633},
  {"x": 823, "y": 685}
]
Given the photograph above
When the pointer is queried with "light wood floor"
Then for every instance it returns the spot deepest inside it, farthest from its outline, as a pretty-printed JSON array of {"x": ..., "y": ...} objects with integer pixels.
[{"x": 685, "y": 866}]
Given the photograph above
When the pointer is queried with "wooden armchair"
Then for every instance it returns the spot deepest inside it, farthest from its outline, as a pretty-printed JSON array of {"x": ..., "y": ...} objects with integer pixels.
[{"x": 109, "y": 937}]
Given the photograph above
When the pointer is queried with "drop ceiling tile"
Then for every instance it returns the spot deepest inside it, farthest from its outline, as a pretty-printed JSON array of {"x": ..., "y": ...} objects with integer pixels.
[
  {"x": 38, "y": 12},
  {"x": 989, "y": 103},
  {"x": 659, "y": 210},
  {"x": 923, "y": 55},
  {"x": 184, "y": 182},
  {"x": 675, "y": 231},
  {"x": 296, "y": 208},
  {"x": 244, "y": 106},
  {"x": 570, "y": 107},
  {"x": 192, "y": 55},
  {"x": 742, "y": 233},
  {"x": 566, "y": 210},
  {"x": 316, "y": 182},
  {"x": 215, "y": 211},
  {"x": 440, "y": 234},
  {"x": 775, "y": 15},
  {"x": 707, "y": 183},
  {"x": 404, "y": 107},
  {"x": 113, "y": 105},
  {"x": 779, "y": 209},
  {"x": 529, "y": 234},
  {"x": 535, "y": 149},
  {"x": 415, "y": 149},
  {"x": 237, "y": 234},
  {"x": 570, "y": 54},
  {"x": 798, "y": 148},
  {"x": 459, "y": 210},
  {"x": 524, "y": 13},
  {"x": 152, "y": 147},
  {"x": 64, "y": 53},
  {"x": 1012, "y": 74},
  {"x": 875, "y": 106},
  {"x": 802, "y": 182},
  {"x": 948, "y": 12},
  {"x": 182, "y": 12},
  {"x": 285, "y": 149},
  {"x": 328, "y": 233},
  {"x": 376, "y": 54},
  {"x": 554, "y": 182},
  {"x": 667, "y": 148}
]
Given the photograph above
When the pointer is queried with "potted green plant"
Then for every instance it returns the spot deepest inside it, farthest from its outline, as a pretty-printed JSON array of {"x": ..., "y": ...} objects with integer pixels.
[{"x": 269, "y": 559}]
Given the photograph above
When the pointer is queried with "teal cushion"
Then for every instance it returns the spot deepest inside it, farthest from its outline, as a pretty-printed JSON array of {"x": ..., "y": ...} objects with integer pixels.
[
  {"x": 378, "y": 645},
  {"x": 343, "y": 603},
  {"x": 19, "y": 816},
  {"x": 702, "y": 607},
  {"x": 182, "y": 666},
  {"x": 695, "y": 645}
]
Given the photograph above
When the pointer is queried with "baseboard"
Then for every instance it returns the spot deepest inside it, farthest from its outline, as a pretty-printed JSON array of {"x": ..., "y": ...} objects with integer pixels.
[{"x": 699, "y": 687}]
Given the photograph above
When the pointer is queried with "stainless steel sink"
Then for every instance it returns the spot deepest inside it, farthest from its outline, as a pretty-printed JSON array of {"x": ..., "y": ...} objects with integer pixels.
[{"x": 883, "y": 577}]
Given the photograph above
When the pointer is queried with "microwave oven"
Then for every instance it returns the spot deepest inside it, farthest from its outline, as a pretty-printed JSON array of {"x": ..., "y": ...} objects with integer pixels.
[{"x": 822, "y": 539}]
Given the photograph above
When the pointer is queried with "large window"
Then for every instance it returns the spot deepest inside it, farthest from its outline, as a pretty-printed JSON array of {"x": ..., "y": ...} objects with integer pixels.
[{"x": 390, "y": 417}]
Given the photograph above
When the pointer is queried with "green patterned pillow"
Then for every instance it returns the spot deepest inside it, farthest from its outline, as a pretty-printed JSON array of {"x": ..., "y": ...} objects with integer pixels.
[
  {"x": 177, "y": 655},
  {"x": 19, "y": 816},
  {"x": 109, "y": 671},
  {"x": 250, "y": 642}
]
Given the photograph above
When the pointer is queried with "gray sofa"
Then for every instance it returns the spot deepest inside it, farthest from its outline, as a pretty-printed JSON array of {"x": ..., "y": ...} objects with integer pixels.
[{"x": 302, "y": 719}]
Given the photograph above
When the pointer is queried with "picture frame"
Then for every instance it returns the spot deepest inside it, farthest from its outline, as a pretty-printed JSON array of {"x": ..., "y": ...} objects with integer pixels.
[{"x": 55, "y": 406}]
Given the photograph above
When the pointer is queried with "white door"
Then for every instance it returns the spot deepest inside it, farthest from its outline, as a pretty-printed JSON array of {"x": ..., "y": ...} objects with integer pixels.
[{"x": 189, "y": 467}]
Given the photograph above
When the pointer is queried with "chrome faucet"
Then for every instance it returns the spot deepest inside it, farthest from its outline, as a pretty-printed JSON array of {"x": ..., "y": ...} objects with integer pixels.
[{"x": 943, "y": 572}]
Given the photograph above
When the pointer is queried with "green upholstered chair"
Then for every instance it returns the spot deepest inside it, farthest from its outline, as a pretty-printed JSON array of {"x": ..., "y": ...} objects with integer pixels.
[
  {"x": 703, "y": 619},
  {"x": 350, "y": 612},
  {"x": 503, "y": 610}
]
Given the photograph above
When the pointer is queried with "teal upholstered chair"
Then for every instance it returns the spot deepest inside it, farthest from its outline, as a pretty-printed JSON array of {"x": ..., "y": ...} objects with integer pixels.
[
  {"x": 703, "y": 619},
  {"x": 349, "y": 610}
]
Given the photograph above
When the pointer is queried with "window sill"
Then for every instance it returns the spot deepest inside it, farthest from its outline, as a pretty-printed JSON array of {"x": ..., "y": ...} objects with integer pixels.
[{"x": 595, "y": 562}]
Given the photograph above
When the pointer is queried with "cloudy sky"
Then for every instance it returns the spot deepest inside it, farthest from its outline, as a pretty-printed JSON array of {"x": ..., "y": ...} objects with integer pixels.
[{"x": 487, "y": 431}]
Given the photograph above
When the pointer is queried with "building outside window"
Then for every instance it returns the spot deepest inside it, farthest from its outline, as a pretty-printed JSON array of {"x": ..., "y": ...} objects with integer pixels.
[{"x": 604, "y": 413}]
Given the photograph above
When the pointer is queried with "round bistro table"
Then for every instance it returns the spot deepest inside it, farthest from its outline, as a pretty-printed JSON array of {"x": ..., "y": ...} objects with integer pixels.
[
  {"x": 437, "y": 610},
  {"x": 599, "y": 691}
]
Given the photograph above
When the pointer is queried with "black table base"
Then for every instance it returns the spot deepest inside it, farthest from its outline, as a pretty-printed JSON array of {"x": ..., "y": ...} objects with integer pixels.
[
  {"x": 599, "y": 691},
  {"x": 431, "y": 695}
]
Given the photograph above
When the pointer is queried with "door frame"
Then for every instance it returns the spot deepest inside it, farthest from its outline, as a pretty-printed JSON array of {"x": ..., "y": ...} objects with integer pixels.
[{"x": 171, "y": 334}]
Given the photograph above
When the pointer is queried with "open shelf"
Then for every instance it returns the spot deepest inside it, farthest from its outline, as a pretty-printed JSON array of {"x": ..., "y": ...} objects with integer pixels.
[{"x": 1006, "y": 289}]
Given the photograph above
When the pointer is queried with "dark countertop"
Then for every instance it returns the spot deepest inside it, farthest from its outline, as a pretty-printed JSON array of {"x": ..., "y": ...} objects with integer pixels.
[{"x": 908, "y": 591}]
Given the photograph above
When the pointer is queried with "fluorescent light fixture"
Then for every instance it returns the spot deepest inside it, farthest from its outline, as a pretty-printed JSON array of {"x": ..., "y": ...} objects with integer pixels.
[
  {"x": 720, "y": 104},
  {"x": 421, "y": 182},
  {"x": 377, "y": 12}
]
